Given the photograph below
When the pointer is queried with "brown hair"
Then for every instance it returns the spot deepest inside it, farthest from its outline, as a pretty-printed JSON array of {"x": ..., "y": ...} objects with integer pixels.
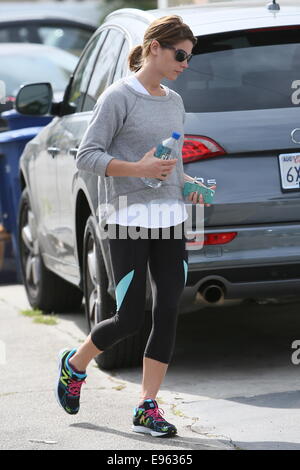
[{"x": 167, "y": 29}]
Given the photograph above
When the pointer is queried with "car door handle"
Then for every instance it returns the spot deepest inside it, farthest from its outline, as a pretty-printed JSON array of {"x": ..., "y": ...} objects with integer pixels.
[
  {"x": 53, "y": 151},
  {"x": 73, "y": 151}
]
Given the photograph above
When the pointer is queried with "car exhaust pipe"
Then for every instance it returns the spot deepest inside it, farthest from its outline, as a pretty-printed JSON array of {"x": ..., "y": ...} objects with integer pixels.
[{"x": 212, "y": 292}]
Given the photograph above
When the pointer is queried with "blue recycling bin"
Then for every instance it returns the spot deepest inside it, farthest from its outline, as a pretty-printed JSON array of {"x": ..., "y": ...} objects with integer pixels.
[
  {"x": 16, "y": 120},
  {"x": 8, "y": 269},
  {"x": 12, "y": 144}
]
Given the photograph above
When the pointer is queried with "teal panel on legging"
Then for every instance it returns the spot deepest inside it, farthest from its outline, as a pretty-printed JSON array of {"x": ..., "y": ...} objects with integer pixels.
[
  {"x": 185, "y": 265},
  {"x": 122, "y": 288}
]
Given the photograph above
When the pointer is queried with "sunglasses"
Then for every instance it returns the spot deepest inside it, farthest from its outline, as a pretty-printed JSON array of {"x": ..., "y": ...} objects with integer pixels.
[{"x": 180, "y": 54}]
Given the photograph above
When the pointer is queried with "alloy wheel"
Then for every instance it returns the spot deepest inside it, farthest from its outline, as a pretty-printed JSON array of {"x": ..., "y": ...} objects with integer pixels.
[
  {"x": 93, "y": 284},
  {"x": 30, "y": 256}
]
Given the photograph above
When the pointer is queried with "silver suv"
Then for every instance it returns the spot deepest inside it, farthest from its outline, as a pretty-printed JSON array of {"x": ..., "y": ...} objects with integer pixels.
[{"x": 241, "y": 93}]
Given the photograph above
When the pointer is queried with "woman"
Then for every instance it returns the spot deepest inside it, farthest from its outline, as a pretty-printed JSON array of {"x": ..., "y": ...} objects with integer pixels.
[{"x": 130, "y": 117}]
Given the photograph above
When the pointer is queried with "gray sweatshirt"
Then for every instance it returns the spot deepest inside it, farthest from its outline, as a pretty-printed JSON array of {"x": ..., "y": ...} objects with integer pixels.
[{"x": 126, "y": 124}]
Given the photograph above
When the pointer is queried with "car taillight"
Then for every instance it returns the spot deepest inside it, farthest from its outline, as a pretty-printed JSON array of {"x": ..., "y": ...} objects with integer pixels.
[
  {"x": 197, "y": 147},
  {"x": 210, "y": 239},
  {"x": 10, "y": 99},
  {"x": 219, "y": 238}
]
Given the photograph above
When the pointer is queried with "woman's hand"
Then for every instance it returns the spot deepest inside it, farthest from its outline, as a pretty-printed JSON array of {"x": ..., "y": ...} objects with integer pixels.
[
  {"x": 153, "y": 167},
  {"x": 196, "y": 198}
]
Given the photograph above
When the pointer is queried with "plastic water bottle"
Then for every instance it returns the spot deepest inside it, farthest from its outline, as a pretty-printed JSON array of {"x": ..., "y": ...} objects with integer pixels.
[{"x": 167, "y": 150}]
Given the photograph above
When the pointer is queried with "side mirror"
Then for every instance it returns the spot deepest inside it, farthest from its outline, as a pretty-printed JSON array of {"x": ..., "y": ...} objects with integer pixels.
[{"x": 34, "y": 99}]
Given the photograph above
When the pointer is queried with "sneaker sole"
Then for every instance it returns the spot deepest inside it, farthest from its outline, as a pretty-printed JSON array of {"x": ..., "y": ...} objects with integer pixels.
[
  {"x": 59, "y": 363},
  {"x": 144, "y": 430}
]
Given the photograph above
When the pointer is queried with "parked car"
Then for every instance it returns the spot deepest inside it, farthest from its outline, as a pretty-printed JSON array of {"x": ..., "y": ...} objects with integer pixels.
[
  {"x": 87, "y": 11},
  {"x": 242, "y": 129},
  {"x": 23, "y": 63},
  {"x": 49, "y": 29}
]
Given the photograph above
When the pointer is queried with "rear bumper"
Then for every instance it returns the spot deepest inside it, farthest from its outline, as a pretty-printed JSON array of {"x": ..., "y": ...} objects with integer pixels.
[
  {"x": 194, "y": 298},
  {"x": 261, "y": 262}
]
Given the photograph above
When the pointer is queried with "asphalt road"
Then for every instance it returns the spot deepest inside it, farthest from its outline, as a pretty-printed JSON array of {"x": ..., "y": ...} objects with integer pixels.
[{"x": 232, "y": 383}]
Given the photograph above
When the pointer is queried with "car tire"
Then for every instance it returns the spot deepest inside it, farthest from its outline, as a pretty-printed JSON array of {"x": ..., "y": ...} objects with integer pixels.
[
  {"x": 45, "y": 290},
  {"x": 99, "y": 305}
]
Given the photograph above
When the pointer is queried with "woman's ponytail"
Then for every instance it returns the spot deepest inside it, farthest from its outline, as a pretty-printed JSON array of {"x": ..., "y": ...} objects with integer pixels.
[{"x": 135, "y": 58}]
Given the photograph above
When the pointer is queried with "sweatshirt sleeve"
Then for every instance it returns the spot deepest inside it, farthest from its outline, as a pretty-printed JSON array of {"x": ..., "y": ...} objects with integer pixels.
[{"x": 107, "y": 120}]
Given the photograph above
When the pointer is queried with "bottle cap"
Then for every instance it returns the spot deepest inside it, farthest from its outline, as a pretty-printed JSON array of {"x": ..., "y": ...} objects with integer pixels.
[{"x": 175, "y": 135}]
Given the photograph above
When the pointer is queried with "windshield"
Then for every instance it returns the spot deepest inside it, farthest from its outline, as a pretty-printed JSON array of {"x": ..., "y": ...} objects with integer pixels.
[
  {"x": 17, "y": 69},
  {"x": 245, "y": 70}
]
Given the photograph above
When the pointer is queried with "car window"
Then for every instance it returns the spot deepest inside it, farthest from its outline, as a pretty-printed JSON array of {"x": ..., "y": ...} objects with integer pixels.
[
  {"x": 18, "y": 33},
  {"x": 104, "y": 69},
  {"x": 83, "y": 72},
  {"x": 65, "y": 37},
  {"x": 70, "y": 38},
  {"x": 245, "y": 70},
  {"x": 18, "y": 67},
  {"x": 122, "y": 62}
]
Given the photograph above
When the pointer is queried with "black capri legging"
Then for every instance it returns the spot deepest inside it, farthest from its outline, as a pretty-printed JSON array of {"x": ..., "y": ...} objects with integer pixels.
[{"x": 168, "y": 262}]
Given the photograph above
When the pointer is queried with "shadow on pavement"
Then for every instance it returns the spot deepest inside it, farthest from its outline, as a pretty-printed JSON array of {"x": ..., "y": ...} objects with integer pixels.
[
  {"x": 287, "y": 400},
  {"x": 177, "y": 441}
]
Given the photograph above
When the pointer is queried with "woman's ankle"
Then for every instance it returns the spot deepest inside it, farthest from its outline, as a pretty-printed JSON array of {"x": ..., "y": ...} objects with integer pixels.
[
  {"x": 142, "y": 400},
  {"x": 84, "y": 355},
  {"x": 76, "y": 365}
]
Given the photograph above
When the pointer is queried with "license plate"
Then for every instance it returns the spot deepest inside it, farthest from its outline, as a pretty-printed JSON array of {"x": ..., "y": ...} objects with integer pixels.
[{"x": 289, "y": 164}]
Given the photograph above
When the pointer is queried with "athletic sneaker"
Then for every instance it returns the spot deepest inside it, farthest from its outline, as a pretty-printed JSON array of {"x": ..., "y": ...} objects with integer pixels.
[
  {"x": 147, "y": 419},
  {"x": 69, "y": 383}
]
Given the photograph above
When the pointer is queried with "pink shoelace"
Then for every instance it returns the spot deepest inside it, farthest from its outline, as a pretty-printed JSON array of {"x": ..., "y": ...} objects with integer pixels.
[
  {"x": 75, "y": 386},
  {"x": 156, "y": 413}
]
